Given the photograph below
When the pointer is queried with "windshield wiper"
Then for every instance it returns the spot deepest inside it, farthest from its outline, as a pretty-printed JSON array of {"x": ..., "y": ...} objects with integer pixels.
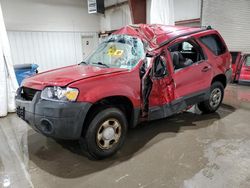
[{"x": 100, "y": 63}]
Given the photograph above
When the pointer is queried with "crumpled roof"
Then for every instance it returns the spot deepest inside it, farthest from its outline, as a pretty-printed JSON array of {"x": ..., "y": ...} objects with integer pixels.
[{"x": 155, "y": 34}]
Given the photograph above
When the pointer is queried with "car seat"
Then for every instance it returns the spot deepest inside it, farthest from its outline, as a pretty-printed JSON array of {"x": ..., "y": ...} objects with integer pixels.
[{"x": 179, "y": 61}]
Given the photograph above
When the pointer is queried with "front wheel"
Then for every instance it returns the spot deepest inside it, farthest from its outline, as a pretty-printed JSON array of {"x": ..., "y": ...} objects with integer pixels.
[
  {"x": 215, "y": 98},
  {"x": 105, "y": 134}
]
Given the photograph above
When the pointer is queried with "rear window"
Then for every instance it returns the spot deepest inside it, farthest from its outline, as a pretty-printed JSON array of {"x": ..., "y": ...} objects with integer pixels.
[{"x": 214, "y": 43}]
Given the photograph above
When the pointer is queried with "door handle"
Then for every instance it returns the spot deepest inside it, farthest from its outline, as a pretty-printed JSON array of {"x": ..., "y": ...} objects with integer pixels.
[{"x": 205, "y": 69}]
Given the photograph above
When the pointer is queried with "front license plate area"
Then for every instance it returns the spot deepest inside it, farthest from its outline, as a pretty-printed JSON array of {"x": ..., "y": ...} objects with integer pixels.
[{"x": 20, "y": 112}]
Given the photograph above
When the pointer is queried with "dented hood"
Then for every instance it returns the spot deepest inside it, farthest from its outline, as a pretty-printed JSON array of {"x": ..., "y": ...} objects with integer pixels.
[{"x": 66, "y": 75}]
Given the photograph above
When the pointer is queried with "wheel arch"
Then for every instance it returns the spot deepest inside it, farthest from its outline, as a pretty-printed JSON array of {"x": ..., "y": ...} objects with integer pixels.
[
  {"x": 123, "y": 103},
  {"x": 220, "y": 78}
]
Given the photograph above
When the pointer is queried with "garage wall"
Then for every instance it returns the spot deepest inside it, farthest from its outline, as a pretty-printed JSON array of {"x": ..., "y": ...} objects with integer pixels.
[
  {"x": 49, "y": 15},
  {"x": 183, "y": 10},
  {"x": 115, "y": 18},
  {"x": 48, "y": 32},
  {"x": 186, "y": 10},
  {"x": 231, "y": 19},
  {"x": 47, "y": 49}
]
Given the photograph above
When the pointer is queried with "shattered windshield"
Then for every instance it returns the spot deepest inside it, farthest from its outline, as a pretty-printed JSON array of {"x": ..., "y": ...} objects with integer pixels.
[{"x": 118, "y": 51}]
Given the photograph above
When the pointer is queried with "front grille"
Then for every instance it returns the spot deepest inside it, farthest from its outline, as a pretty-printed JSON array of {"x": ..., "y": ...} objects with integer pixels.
[{"x": 28, "y": 93}]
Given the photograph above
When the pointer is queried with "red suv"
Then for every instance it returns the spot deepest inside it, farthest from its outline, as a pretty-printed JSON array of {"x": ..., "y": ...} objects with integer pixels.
[
  {"x": 241, "y": 67},
  {"x": 139, "y": 73}
]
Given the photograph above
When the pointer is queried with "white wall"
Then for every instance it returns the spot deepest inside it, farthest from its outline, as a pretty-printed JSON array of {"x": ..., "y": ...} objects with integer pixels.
[
  {"x": 183, "y": 9},
  {"x": 161, "y": 12},
  {"x": 187, "y": 9},
  {"x": 232, "y": 19},
  {"x": 48, "y": 32},
  {"x": 148, "y": 6},
  {"x": 47, "y": 49},
  {"x": 49, "y": 15},
  {"x": 115, "y": 18}
]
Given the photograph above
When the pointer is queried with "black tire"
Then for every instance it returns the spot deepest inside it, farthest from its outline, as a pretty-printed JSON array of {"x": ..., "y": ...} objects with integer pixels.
[
  {"x": 89, "y": 142},
  {"x": 206, "y": 106}
]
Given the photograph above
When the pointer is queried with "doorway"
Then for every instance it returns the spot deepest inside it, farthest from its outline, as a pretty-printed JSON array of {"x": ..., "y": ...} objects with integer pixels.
[{"x": 87, "y": 45}]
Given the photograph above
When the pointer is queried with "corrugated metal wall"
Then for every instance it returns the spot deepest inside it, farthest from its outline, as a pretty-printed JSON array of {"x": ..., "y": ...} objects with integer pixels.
[
  {"x": 232, "y": 19},
  {"x": 186, "y": 10},
  {"x": 47, "y": 49}
]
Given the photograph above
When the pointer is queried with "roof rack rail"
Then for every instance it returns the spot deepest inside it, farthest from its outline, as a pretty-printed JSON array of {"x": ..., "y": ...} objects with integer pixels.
[
  {"x": 181, "y": 35},
  {"x": 209, "y": 27}
]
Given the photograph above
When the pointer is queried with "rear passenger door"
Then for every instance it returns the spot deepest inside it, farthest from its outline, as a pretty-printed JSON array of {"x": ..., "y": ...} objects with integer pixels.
[
  {"x": 245, "y": 70},
  {"x": 216, "y": 51},
  {"x": 194, "y": 75}
]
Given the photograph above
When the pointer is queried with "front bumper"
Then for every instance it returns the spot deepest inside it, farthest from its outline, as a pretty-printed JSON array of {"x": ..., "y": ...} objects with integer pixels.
[{"x": 54, "y": 119}]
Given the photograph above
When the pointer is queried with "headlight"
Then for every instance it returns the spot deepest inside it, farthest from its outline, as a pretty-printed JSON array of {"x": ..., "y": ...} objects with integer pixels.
[{"x": 60, "y": 94}]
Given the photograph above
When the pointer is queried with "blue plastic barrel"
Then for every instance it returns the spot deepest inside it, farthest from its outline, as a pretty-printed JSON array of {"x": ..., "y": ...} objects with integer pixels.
[{"x": 23, "y": 71}]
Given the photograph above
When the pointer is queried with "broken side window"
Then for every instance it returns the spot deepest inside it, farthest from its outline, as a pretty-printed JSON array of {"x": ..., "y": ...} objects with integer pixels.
[
  {"x": 160, "y": 69},
  {"x": 185, "y": 53}
]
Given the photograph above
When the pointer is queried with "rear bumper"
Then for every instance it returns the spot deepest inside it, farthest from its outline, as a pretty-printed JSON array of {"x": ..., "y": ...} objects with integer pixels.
[{"x": 54, "y": 119}]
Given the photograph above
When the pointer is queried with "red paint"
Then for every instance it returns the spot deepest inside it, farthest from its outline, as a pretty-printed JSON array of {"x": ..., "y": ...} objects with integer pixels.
[
  {"x": 96, "y": 83},
  {"x": 241, "y": 70},
  {"x": 155, "y": 34},
  {"x": 64, "y": 76}
]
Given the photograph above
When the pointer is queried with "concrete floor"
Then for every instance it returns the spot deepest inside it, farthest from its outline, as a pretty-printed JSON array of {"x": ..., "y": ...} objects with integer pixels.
[{"x": 187, "y": 150}]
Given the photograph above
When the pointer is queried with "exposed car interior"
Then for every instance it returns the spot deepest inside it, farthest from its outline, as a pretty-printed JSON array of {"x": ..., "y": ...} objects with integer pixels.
[
  {"x": 185, "y": 53},
  {"x": 160, "y": 69}
]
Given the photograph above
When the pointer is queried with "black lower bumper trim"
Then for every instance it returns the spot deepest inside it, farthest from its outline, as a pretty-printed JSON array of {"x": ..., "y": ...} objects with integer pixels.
[{"x": 54, "y": 119}]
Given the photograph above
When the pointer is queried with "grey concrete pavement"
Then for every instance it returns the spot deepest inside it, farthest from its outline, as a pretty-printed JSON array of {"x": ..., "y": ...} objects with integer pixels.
[{"x": 187, "y": 150}]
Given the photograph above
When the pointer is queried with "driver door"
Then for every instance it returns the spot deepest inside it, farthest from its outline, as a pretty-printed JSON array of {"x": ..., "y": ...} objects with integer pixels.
[{"x": 161, "y": 88}]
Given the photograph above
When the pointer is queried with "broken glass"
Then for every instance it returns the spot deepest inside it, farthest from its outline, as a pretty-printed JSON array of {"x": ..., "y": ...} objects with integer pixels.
[{"x": 118, "y": 51}]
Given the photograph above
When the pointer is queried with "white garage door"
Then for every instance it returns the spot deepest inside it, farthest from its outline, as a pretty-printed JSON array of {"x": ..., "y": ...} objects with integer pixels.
[
  {"x": 49, "y": 49},
  {"x": 232, "y": 19}
]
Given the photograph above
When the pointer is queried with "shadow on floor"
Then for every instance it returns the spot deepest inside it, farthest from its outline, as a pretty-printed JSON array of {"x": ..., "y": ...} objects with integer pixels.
[{"x": 64, "y": 159}]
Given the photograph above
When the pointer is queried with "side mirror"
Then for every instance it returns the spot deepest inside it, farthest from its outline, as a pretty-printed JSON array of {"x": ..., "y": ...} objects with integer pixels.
[{"x": 149, "y": 55}]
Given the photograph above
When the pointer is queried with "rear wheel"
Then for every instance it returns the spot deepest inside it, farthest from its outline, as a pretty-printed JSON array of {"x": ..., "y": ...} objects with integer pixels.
[
  {"x": 215, "y": 98},
  {"x": 105, "y": 134}
]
